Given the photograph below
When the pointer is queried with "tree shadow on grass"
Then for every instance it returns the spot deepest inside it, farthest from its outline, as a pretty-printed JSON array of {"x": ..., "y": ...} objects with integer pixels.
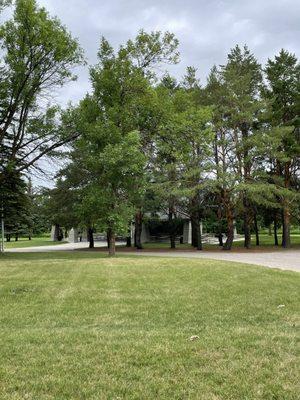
[{"x": 57, "y": 255}]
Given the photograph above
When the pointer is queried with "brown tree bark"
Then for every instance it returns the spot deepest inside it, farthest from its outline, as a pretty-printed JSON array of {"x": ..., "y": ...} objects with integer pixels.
[
  {"x": 195, "y": 222},
  {"x": 56, "y": 232},
  {"x": 256, "y": 230},
  {"x": 194, "y": 231},
  {"x": 230, "y": 222},
  {"x": 112, "y": 245},
  {"x": 108, "y": 235},
  {"x": 246, "y": 175},
  {"x": 275, "y": 230},
  {"x": 197, "y": 239},
  {"x": 219, "y": 217},
  {"x": 90, "y": 237},
  {"x": 286, "y": 235},
  {"x": 172, "y": 228},
  {"x": 247, "y": 218},
  {"x": 138, "y": 230}
]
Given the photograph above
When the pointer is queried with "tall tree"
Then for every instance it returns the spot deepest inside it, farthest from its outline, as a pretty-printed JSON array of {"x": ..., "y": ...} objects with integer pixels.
[
  {"x": 282, "y": 92},
  {"x": 38, "y": 57},
  {"x": 15, "y": 204},
  {"x": 148, "y": 52},
  {"x": 183, "y": 151},
  {"x": 110, "y": 149},
  {"x": 242, "y": 79},
  {"x": 233, "y": 91}
]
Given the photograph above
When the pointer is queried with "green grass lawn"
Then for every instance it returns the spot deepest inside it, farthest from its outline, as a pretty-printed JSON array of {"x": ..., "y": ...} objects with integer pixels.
[
  {"x": 35, "y": 241},
  {"x": 266, "y": 241},
  {"x": 83, "y": 326}
]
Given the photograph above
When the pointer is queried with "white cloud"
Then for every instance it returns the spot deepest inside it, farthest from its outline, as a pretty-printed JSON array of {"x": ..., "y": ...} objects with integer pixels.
[{"x": 206, "y": 29}]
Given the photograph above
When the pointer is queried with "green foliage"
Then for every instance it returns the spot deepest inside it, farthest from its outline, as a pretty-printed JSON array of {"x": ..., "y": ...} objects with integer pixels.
[
  {"x": 4, "y": 3},
  {"x": 227, "y": 150},
  {"x": 38, "y": 56},
  {"x": 283, "y": 87},
  {"x": 148, "y": 50},
  {"x": 14, "y": 203},
  {"x": 116, "y": 180}
]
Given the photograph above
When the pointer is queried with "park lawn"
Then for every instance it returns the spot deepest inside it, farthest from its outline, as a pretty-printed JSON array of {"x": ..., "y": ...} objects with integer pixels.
[
  {"x": 80, "y": 325},
  {"x": 266, "y": 242},
  {"x": 35, "y": 241}
]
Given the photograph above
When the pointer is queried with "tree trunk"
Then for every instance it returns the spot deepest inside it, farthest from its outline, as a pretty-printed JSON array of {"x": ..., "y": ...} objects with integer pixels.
[
  {"x": 108, "y": 237},
  {"x": 194, "y": 231},
  {"x": 56, "y": 233},
  {"x": 256, "y": 230},
  {"x": 172, "y": 242},
  {"x": 230, "y": 234},
  {"x": 112, "y": 244},
  {"x": 197, "y": 239},
  {"x": 60, "y": 235},
  {"x": 219, "y": 197},
  {"x": 275, "y": 230},
  {"x": 220, "y": 238},
  {"x": 138, "y": 230},
  {"x": 195, "y": 222},
  {"x": 246, "y": 175},
  {"x": 8, "y": 237},
  {"x": 17, "y": 237},
  {"x": 219, "y": 233},
  {"x": 90, "y": 235},
  {"x": 128, "y": 241},
  {"x": 247, "y": 230},
  {"x": 230, "y": 225},
  {"x": 172, "y": 230},
  {"x": 286, "y": 237}
]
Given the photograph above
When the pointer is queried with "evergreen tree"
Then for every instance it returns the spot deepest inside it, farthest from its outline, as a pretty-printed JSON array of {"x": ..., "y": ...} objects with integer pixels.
[{"x": 282, "y": 92}]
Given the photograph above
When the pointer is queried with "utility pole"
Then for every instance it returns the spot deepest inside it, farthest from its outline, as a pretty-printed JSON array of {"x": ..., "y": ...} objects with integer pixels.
[{"x": 2, "y": 230}]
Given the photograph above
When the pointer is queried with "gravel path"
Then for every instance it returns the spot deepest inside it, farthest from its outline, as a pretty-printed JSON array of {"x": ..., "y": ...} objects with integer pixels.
[{"x": 285, "y": 259}]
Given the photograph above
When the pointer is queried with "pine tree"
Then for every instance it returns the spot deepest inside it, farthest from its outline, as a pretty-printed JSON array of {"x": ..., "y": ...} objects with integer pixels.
[{"x": 282, "y": 93}]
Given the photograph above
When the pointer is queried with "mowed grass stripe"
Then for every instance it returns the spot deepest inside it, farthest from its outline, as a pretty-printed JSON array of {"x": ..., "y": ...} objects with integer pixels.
[{"x": 83, "y": 326}]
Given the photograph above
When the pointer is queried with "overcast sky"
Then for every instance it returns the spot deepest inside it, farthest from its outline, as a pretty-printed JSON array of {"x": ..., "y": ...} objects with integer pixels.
[{"x": 206, "y": 29}]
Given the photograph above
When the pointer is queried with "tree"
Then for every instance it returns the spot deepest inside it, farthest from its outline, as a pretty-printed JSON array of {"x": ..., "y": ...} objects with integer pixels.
[
  {"x": 4, "y": 3},
  {"x": 60, "y": 206},
  {"x": 183, "y": 152},
  {"x": 15, "y": 204},
  {"x": 282, "y": 92},
  {"x": 233, "y": 91},
  {"x": 117, "y": 170},
  {"x": 40, "y": 223},
  {"x": 242, "y": 79},
  {"x": 109, "y": 148},
  {"x": 148, "y": 51},
  {"x": 225, "y": 180},
  {"x": 38, "y": 57}
]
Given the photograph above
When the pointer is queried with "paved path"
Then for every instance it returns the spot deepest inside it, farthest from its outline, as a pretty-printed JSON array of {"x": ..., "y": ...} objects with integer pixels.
[
  {"x": 286, "y": 259},
  {"x": 55, "y": 247}
]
